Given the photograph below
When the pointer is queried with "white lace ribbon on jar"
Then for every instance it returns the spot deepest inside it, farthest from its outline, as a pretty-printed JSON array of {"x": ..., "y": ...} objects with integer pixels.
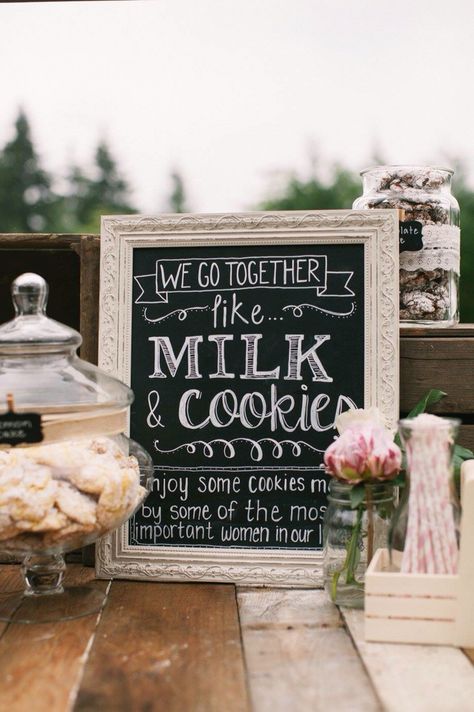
[{"x": 441, "y": 250}]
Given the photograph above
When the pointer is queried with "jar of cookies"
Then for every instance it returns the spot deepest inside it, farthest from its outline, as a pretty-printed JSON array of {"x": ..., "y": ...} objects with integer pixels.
[
  {"x": 68, "y": 473},
  {"x": 429, "y": 238}
]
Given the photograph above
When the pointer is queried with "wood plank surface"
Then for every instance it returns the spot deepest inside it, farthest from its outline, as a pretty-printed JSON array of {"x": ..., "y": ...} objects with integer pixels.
[
  {"x": 444, "y": 363},
  {"x": 415, "y": 678},
  {"x": 170, "y": 647},
  {"x": 299, "y": 656},
  {"x": 427, "y": 332},
  {"x": 41, "y": 665},
  {"x": 89, "y": 253}
]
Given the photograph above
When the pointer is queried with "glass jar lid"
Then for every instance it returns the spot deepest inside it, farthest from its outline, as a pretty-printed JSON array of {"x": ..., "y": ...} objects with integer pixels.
[{"x": 39, "y": 367}]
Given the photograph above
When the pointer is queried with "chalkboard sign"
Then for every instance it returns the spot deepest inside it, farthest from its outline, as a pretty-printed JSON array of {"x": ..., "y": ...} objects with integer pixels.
[{"x": 243, "y": 337}]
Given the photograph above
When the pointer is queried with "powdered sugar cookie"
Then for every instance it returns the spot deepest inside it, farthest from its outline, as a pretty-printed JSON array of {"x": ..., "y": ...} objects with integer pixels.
[
  {"x": 29, "y": 498},
  {"x": 91, "y": 478},
  {"x": 77, "y": 506},
  {"x": 119, "y": 495},
  {"x": 53, "y": 521},
  {"x": 63, "y": 458}
]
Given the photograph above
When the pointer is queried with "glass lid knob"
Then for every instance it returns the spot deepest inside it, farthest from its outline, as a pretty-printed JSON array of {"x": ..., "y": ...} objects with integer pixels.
[{"x": 30, "y": 294}]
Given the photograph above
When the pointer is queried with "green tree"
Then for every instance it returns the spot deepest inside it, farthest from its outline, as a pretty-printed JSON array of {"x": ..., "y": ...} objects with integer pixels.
[
  {"x": 177, "y": 199},
  {"x": 465, "y": 196},
  {"x": 315, "y": 194},
  {"x": 27, "y": 202},
  {"x": 104, "y": 192}
]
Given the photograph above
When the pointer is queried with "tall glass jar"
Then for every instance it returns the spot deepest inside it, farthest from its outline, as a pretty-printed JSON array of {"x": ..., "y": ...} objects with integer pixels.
[
  {"x": 351, "y": 536},
  {"x": 429, "y": 238}
]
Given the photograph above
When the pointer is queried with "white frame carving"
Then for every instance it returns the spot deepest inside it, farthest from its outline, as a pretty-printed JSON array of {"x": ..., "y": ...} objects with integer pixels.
[{"x": 377, "y": 230}]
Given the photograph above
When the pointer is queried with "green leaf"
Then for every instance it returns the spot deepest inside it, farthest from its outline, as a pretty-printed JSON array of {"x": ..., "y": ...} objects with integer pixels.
[
  {"x": 460, "y": 455},
  {"x": 357, "y": 495},
  {"x": 334, "y": 582},
  {"x": 399, "y": 480},
  {"x": 430, "y": 398},
  {"x": 463, "y": 452},
  {"x": 434, "y": 395}
]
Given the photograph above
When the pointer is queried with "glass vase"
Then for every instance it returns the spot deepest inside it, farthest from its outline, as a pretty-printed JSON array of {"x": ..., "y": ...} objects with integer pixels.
[{"x": 351, "y": 537}]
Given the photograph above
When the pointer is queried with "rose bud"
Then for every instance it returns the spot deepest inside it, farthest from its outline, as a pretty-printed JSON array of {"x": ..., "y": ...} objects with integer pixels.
[{"x": 364, "y": 451}]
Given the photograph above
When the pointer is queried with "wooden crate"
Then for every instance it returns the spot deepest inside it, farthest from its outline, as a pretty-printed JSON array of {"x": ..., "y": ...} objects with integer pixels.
[
  {"x": 70, "y": 265},
  {"x": 424, "y": 608},
  {"x": 444, "y": 359}
]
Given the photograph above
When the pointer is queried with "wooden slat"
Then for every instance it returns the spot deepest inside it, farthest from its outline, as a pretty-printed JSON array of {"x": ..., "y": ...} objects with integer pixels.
[
  {"x": 27, "y": 240},
  {"x": 170, "y": 647},
  {"x": 407, "y": 607},
  {"x": 10, "y": 581},
  {"x": 444, "y": 363},
  {"x": 299, "y": 656},
  {"x": 460, "y": 330},
  {"x": 466, "y": 436},
  {"x": 408, "y": 630},
  {"x": 40, "y": 665},
  {"x": 415, "y": 678},
  {"x": 90, "y": 286}
]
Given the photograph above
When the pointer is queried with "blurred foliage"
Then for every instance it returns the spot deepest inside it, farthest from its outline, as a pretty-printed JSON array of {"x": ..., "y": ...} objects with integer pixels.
[
  {"x": 177, "y": 199},
  {"x": 29, "y": 201},
  {"x": 339, "y": 191},
  {"x": 104, "y": 192},
  {"x": 342, "y": 187}
]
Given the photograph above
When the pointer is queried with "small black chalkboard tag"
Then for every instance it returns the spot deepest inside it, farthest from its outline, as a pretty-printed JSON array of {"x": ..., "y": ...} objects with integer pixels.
[
  {"x": 410, "y": 235},
  {"x": 18, "y": 428}
]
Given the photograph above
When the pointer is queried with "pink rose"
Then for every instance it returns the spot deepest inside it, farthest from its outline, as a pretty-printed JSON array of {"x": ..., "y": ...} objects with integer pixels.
[{"x": 364, "y": 451}]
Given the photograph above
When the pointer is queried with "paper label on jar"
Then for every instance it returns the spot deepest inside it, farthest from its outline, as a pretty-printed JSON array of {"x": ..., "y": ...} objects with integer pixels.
[
  {"x": 440, "y": 249},
  {"x": 19, "y": 428},
  {"x": 410, "y": 235}
]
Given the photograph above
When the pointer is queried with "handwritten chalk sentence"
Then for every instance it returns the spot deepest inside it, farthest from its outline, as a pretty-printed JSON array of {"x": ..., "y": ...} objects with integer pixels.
[
  {"x": 181, "y": 485},
  {"x": 239, "y": 511},
  {"x": 243, "y": 273}
]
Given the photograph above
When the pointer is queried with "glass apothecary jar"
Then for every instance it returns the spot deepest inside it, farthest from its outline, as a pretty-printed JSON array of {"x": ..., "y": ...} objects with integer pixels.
[
  {"x": 351, "y": 537},
  {"x": 429, "y": 237},
  {"x": 68, "y": 473}
]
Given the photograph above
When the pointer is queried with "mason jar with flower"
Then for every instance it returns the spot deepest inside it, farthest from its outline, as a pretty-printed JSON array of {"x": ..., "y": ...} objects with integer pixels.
[{"x": 362, "y": 461}]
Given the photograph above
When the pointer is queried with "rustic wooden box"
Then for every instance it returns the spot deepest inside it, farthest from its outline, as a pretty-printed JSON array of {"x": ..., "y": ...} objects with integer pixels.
[
  {"x": 70, "y": 265},
  {"x": 425, "y": 608},
  {"x": 444, "y": 359}
]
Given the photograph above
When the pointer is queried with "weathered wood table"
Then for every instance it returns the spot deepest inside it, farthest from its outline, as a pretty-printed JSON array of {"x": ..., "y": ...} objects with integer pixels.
[{"x": 215, "y": 648}]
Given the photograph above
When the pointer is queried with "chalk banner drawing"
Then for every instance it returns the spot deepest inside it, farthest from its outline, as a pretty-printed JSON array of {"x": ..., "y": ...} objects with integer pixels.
[{"x": 243, "y": 337}]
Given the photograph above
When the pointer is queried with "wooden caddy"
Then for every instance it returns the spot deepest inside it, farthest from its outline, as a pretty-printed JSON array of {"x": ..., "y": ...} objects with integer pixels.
[{"x": 425, "y": 608}]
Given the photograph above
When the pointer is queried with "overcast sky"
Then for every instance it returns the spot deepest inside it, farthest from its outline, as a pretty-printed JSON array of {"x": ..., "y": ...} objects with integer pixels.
[{"x": 236, "y": 92}]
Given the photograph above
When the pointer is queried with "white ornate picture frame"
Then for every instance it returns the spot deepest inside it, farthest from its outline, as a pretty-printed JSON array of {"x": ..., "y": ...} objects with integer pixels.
[{"x": 375, "y": 230}]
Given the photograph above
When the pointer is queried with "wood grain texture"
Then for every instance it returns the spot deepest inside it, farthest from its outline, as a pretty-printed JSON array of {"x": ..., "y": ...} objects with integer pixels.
[
  {"x": 27, "y": 240},
  {"x": 415, "y": 678},
  {"x": 89, "y": 295},
  {"x": 41, "y": 665},
  {"x": 299, "y": 656},
  {"x": 446, "y": 363},
  {"x": 460, "y": 330},
  {"x": 173, "y": 647}
]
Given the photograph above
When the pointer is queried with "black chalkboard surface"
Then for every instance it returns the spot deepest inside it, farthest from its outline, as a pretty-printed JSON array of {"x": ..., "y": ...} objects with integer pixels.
[
  {"x": 242, "y": 357},
  {"x": 243, "y": 337}
]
